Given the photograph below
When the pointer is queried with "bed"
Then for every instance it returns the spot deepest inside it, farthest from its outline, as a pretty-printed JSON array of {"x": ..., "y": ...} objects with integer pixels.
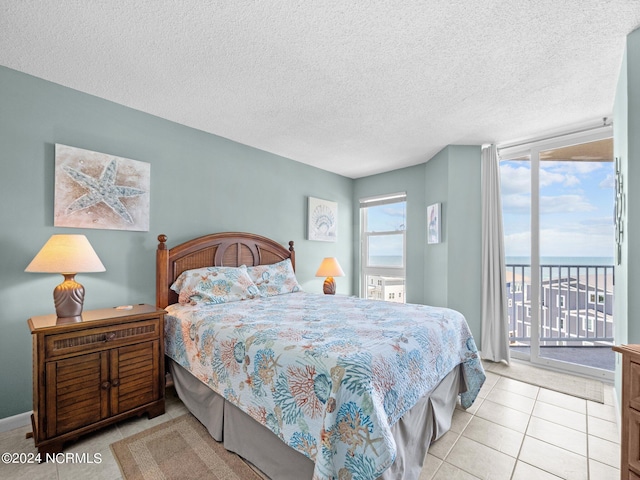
[{"x": 307, "y": 385}]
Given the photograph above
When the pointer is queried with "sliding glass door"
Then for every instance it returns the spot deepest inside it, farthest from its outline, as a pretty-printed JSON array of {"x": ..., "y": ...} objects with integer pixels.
[{"x": 558, "y": 218}]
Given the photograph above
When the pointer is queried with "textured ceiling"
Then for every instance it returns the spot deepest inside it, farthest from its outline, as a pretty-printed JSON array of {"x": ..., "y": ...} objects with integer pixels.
[{"x": 355, "y": 88}]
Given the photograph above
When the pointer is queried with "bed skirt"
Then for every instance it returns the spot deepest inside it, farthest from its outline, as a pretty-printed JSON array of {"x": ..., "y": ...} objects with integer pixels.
[{"x": 427, "y": 421}]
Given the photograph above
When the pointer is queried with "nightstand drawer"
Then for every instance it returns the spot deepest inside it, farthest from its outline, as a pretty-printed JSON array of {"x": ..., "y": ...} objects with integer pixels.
[
  {"x": 95, "y": 339},
  {"x": 633, "y": 447},
  {"x": 634, "y": 385}
]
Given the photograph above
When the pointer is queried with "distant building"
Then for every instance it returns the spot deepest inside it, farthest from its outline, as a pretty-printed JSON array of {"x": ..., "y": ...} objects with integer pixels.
[
  {"x": 389, "y": 289},
  {"x": 518, "y": 305},
  {"x": 576, "y": 309}
]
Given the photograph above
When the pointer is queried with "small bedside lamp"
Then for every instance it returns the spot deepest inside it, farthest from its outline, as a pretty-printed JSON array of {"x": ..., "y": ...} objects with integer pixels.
[
  {"x": 68, "y": 255},
  {"x": 329, "y": 268}
]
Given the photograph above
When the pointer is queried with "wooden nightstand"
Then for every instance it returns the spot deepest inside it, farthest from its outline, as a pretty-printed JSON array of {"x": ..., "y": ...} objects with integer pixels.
[
  {"x": 630, "y": 439},
  {"x": 93, "y": 373}
]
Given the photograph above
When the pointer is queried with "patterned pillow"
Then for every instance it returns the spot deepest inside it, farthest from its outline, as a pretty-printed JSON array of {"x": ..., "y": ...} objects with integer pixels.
[
  {"x": 214, "y": 285},
  {"x": 275, "y": 279}
]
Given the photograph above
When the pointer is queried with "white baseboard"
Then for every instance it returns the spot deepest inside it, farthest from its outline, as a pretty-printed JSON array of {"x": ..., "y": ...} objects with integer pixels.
[{"x": 17, "y": 421}]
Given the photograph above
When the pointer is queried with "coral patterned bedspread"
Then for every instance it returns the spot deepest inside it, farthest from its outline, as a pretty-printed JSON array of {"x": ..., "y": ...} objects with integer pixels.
[{"x": 327, "y": 374}]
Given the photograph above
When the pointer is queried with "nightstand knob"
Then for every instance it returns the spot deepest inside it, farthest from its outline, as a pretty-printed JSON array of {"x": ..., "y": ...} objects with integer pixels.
[
  {"x": 105, "y": 385},
  {"x": 108, "y": 337},
  {"x": 115, "y": 382}
]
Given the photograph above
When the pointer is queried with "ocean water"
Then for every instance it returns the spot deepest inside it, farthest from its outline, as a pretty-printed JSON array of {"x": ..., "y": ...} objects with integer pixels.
[
  {"x": 548, "y": 265},
  {"x": 385, "y": 260},
  {"x": 396, "y": 260},
  {"x": 582, "y": 261}
]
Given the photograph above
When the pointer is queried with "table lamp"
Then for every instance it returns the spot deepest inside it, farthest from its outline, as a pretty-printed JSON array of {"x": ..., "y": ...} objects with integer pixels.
[
  {"x": 329, "y": 268},
  {"x": 67, "y": 255}
]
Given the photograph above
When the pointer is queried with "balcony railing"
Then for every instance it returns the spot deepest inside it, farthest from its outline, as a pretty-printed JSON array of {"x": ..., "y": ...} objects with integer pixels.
[{"x": 576, "y": 304}]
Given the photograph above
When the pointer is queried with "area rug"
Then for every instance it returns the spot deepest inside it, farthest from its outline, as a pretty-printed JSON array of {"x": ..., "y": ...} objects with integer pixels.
[
  {"x": 180, "y": 448},
  {"x": 560, "y": 382}
]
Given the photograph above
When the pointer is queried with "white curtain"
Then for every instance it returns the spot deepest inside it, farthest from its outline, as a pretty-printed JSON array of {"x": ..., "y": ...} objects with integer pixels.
[{"x": 495, "y": 327}]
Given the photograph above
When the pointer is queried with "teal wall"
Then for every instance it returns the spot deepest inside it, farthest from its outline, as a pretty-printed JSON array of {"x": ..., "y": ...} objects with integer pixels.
[
  {"x": 464, "y": 234},
  {"x": 632, "y": 189},
  {"x": 200, "y": 183},
  {"x": 620, "y": 147},
  {"x": 626, "y": 125},
  {"x": 453, "y": 267},
  {"x": 447, "y": 274},
  {"x": 435, "y": 178}
]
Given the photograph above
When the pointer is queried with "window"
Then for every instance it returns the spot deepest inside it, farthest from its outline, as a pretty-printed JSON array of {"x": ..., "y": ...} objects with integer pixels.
[
  {"x": 382, "y": 237},
  {"x": 592, "y": 297},
  {"x": 587, "y": 323},
  {"x": 560, "y": 301}
]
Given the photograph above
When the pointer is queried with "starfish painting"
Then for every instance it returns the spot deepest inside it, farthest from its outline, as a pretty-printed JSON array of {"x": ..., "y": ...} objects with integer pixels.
[
  {"x": 100, "y": 190},
  {"x": 103, "y": 189}
]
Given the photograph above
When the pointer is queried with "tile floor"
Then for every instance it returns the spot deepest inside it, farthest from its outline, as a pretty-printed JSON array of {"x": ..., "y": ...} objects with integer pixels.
[
  {"x": 513, "y": 431},
  {"x": 518, "y": 431}
]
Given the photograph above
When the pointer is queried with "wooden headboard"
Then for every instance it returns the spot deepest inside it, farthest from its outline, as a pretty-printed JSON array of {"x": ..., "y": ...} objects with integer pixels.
[{"x": 229, "y": 249}]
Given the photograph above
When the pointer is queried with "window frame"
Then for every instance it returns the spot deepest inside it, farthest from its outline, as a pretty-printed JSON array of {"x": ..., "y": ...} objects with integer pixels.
[{"x": 381, "y": 271}]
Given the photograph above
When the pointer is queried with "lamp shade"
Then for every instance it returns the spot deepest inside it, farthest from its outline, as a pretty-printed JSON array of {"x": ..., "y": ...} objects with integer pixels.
[
  {"x": 66, "y": 254},
  {"x": 330, "y": 268}
]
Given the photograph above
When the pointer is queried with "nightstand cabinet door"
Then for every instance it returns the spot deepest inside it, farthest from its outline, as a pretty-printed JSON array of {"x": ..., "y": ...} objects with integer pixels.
[
  {"x": 134, "y": 374},
  {"x": 75, "y": 393},
  {"x": 633, "y": 447}
]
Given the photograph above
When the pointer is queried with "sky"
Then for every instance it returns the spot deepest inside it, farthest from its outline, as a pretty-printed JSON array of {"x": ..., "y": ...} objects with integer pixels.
[
  {"x": 386, "y": 218},
  {"x": 576, "y": 208}
]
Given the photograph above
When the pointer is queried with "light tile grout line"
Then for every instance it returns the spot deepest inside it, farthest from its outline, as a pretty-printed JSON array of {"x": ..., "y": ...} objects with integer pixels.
[
  {"x": 586, "y": 418},
  {"x": 525, "y": 435}
]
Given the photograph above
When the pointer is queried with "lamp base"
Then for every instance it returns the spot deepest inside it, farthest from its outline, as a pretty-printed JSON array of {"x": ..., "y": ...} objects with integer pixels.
[
  {"x": 329, "y": 286},
  {"x": 68, "y": 298}
]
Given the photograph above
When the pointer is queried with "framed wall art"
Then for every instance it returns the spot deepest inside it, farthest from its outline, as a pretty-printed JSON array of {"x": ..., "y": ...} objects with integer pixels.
[
  {"x": 97, "y": 190},
  {"x": 322, "y": 220},
  {"x": 433, "y": 223}
]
